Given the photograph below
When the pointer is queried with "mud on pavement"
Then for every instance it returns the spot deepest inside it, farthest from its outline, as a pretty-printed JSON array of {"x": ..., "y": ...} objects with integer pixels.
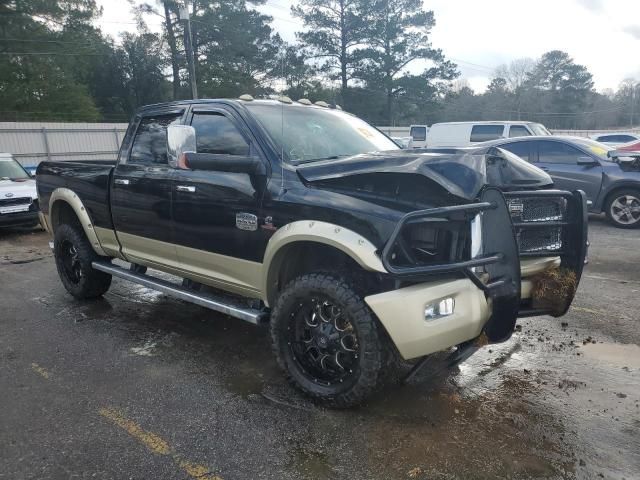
[{"x": 138, "y": 385}]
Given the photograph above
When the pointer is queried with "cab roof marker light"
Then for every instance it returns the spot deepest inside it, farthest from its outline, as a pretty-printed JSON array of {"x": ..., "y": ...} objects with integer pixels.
[
  {"x": 284, "y": 99},
  {"x": 322, "y": 104},
  {"x": 246, "y": 97},
  {"x": 305, "y": 101}
]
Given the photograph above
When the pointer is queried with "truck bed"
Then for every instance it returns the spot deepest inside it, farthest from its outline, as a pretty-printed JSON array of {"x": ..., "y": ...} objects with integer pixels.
[{"x": 89, "y": 179}]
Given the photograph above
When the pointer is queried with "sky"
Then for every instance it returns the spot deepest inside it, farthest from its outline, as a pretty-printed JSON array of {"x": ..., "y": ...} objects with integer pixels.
[{"x": 479, "y": 35}]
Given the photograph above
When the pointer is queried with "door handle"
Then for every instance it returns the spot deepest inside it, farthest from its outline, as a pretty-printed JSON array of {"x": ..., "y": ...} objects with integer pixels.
[
  {"x": 122, "y": 181},
  {"x": 186, "y": 188}
]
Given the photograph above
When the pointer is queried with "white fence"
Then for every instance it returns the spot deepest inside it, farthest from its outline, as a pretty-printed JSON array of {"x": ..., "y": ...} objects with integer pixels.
[{"x": 33, "y": 142}]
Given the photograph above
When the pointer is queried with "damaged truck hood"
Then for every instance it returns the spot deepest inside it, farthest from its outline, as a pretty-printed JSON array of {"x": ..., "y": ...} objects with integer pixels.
[{"x": 461, "y": 172}]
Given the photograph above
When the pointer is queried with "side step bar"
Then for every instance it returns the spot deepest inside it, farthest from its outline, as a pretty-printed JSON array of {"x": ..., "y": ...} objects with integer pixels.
[{"x": 206, "y": 300}]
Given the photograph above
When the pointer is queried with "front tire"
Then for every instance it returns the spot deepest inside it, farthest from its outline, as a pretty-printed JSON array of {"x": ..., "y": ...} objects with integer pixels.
[
  {"x": 327, "y": 340},
  {"x": 623, "y": 208},
  {"x": 74, "y": 256}
]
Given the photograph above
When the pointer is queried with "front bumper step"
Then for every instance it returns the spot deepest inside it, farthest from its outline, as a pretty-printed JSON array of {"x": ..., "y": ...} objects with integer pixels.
[{"x": 206, "y": 300}]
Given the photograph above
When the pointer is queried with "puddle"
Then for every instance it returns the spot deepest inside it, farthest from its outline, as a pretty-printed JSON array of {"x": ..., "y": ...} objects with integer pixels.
[
  {"x": 146, "y": 350},
  {"x": 623, "y": 355},
  {"x": 311, "y": 464}
]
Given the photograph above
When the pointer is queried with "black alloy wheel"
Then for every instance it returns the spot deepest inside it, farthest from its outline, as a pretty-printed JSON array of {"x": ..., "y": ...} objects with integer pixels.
[{"x": 327, "y": 340}]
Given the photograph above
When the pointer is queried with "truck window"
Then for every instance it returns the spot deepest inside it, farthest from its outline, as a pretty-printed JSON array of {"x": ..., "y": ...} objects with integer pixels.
[
  {"x": 216, "y": 133},
  {"x": 419, "y": 134},
  {"x": 518, "y": 131},
  {"x": 150, "y": 143},
  {"x": 483, "y": 133}
]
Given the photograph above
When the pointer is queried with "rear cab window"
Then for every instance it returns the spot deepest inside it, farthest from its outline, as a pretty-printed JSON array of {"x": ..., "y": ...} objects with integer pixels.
[
  {"x": 150, "y": 142},
  {"x": 483, "y": 133}
]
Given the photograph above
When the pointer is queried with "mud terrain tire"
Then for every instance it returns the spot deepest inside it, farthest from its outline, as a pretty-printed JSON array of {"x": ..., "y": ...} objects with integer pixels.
[
  {"x": 369, "y": 349},
  {"x": 74, "y": 255}
]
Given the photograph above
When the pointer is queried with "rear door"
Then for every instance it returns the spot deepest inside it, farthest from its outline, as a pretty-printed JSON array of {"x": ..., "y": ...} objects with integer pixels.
[
  {"x": 560, "y": 160},
  {"x": 218, "y": 236},
  {"x": 141, "y": 193}
]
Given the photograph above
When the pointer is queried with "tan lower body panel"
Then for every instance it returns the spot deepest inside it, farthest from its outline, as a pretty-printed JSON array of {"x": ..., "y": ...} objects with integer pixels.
[
  {"x": 220, "y": 271},
  {"x": 402, "y": 314},
  {"x": 108, "y": 242}
]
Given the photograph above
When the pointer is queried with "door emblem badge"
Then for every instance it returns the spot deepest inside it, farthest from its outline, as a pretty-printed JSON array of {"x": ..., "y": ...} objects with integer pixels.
[{"x": 246, "y": 221}]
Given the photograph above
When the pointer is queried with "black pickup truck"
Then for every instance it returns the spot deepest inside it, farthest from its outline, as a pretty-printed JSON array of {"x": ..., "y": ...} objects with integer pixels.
[{"x": 356, "y": 252}]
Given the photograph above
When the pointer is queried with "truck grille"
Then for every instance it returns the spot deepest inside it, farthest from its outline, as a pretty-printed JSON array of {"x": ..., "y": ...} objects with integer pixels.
[
  {"x": 537, "y": 209},
  {"x": 539, "y": 223},
  {"x": 548, "y": 239},
  {"x": 10, "y": 202}
]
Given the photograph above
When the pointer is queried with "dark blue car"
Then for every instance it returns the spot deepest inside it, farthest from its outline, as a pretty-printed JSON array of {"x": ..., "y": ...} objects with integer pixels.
[{"x": 612, "y": 184}]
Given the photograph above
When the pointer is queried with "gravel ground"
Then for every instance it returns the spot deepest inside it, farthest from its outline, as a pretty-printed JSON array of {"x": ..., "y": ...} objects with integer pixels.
[{"x": 139, "y": 386}]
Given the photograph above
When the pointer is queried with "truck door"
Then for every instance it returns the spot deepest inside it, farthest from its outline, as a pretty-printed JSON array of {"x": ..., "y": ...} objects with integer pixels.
[
  {"x": 216, "y": 213},
  {"x": 141, "y": 193},
  {"x": 562, "y": 162}
]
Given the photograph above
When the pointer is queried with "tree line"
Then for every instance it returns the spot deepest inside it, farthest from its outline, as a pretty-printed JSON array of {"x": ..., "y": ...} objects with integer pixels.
[{"x": 373, "y": 57}]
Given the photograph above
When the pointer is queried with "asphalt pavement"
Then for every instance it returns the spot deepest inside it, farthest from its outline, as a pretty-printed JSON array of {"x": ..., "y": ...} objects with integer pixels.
[{"x": 141, "y": 386}]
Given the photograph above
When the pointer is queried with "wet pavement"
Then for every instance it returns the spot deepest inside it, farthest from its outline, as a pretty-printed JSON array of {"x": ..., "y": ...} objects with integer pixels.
[{"x": 138, "y": 385}]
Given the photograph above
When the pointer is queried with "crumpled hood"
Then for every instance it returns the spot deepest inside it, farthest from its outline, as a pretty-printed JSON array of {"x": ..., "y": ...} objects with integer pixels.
[
  {"x": 18, "y": 189},
  {"x": 462, "y": 172}
]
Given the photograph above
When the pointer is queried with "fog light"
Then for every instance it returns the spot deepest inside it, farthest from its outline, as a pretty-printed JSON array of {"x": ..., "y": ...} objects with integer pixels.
[{"x": 442, "y": 308}]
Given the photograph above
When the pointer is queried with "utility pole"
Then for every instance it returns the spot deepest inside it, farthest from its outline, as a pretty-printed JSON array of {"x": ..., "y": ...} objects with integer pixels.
[
  {"x": 186, "y": 18},
  {"x": 633, "y": 102}
]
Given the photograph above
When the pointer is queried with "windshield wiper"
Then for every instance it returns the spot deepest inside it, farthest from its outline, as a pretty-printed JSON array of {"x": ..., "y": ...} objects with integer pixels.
[{"x": 332, "y": 157}]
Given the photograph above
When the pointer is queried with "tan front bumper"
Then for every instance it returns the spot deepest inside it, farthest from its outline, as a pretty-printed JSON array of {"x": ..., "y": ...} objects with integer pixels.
[{"x": 402, "y": 312}]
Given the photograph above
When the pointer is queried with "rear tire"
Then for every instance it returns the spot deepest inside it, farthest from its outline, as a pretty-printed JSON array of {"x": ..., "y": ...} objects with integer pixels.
[
  {"x": 623, "y": 208},
  {"x": 327, "y": 340},
  {"x": 74, "y": 256}
]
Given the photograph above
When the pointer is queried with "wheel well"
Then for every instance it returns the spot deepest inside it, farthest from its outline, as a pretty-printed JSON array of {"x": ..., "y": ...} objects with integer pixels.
[
  {"x": 302, "y": 257},
  {"x": 61, "y": 213},
  {"x": 614, "y": 191}
]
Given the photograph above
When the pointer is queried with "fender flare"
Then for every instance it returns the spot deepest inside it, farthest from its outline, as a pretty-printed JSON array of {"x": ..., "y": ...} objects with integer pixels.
[
  {"x": 351, "y": 243},
  {"x": 71, "y": 198}
]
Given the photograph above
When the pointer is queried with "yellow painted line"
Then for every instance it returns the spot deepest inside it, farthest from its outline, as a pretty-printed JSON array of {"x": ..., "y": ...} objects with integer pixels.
[
  {"x": 157, "y": 445},
  {"x": 40, "y": 371}
]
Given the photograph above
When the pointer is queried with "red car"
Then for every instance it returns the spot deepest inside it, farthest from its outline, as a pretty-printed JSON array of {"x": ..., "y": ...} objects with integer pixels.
[{"x": 630, "y": 147}]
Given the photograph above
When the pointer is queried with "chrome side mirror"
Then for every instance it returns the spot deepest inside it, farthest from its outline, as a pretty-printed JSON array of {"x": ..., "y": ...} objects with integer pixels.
[{"x": 180, "y": 140}]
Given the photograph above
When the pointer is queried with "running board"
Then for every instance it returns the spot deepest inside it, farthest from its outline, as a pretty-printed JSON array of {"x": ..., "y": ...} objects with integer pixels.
[{"x": 206, "y": 300}]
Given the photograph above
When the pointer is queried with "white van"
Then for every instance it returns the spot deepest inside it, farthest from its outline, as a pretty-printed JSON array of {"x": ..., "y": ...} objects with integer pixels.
[{"x": 460, "y": 134}]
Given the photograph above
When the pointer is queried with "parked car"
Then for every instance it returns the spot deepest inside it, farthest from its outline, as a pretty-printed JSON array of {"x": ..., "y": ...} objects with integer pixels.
[
  {"x": 418, "y": 134},
  {"x": 18, "y": 195},
  {"x": 356, "y": 251},
  {"x": 402, "y": 142},
  {"x": 615, "y": 139},
  {"x": 629, "y": 147},
  {"x": 612, "y": 184}
]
